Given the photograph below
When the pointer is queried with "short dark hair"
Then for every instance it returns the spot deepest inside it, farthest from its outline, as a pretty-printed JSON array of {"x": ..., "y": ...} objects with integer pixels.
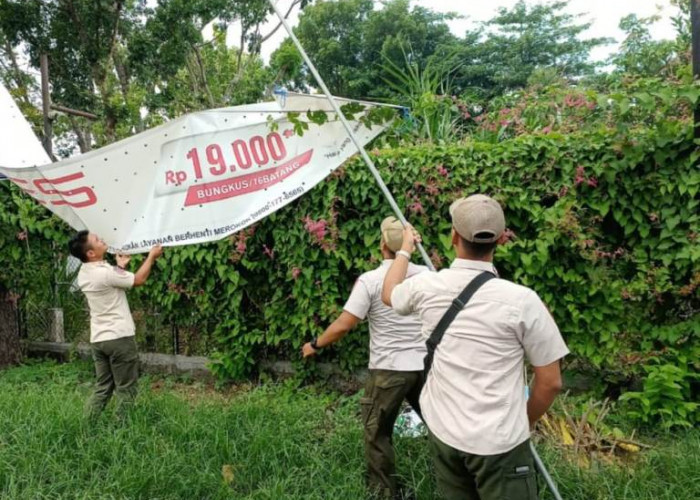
[
  {"x": 79, "y": 246},
  {"x": 478, "y": 250}
]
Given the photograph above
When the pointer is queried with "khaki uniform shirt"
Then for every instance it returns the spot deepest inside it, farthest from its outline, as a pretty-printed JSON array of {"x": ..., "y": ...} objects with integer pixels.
[
  {"x": 474, "y": 398},
  {"x": 395, "y": 341},
  {"x": 103, "y": 286}
]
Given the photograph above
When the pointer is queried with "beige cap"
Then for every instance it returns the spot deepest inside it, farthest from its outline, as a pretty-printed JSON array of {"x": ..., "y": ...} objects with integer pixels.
[
  {"x": 478, "y": 218},
  {"x": 392, "y": 233}
]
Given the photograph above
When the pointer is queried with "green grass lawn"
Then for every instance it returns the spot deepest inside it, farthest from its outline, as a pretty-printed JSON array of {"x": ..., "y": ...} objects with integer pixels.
[{"x": 278, "y": 441}]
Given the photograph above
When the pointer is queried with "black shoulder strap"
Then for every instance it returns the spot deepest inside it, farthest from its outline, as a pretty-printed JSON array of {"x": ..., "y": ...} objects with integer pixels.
[{"x": 451, "y": 313}]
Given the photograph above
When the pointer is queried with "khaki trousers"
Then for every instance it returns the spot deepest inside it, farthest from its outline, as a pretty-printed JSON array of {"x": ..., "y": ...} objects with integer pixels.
[
  {"x": 117, "y": 369},
  {"x": 385, "y": 391},
  {"x": 465, "y": 476}
]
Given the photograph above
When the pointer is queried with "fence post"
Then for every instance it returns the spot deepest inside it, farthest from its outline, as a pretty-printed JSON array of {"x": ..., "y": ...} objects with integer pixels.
[
  {"x": 176, "y": 339},
  {"x": 56, "y": 326}
]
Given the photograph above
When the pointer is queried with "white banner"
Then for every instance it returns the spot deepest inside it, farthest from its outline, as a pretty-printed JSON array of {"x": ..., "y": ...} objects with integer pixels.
[{"x": 192, "y": 180}]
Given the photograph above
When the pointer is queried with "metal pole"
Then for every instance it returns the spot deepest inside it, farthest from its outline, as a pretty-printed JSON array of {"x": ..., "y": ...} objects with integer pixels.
[
  {"x": 695, "y": 29},
  {"x": 348, "y": 128},
  {"x": 543, "y": 470}
]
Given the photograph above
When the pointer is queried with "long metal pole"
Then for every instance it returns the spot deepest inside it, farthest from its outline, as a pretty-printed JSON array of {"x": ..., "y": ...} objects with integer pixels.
[{"x": 348, "y": 128}]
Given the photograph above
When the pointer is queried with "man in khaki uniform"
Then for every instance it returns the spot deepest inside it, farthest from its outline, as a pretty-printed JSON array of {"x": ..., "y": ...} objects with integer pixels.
[
  {"x": 111, "y": 325},
  {"x": 395, "y": 361},
  {"x": 474, "y": 401}
]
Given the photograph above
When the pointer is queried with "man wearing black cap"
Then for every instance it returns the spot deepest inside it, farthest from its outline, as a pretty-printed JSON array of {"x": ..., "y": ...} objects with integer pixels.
[
  {"x": 474, "y": 402},
  {"x": 396, "y": 352}
]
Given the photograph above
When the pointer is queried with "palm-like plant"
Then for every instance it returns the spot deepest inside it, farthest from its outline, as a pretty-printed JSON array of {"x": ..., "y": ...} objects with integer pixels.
[{"x": 426, "y": 90}]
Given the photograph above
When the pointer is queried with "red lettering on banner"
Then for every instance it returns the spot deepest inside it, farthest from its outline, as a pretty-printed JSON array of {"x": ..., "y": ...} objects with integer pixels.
[
  {"x": 244, "y": 184},
  {"x": 256, "y": 151},
  {"x": 90, "y": 197}
]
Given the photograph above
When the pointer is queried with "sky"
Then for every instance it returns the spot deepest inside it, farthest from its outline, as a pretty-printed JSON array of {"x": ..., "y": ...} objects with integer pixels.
[{"x": 604, "y": 14}]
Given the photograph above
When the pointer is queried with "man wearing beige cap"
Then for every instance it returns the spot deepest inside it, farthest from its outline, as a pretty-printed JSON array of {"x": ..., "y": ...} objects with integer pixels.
[
  {"x": 474, "y": 402},
  {"x": 396, "y": 352}
]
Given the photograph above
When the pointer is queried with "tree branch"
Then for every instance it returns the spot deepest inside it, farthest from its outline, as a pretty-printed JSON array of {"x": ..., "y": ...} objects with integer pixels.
[
  {"x": 274, "y": 30},
  {"x": 203, "y": 75},
  {"x": 16, "y": 72}
]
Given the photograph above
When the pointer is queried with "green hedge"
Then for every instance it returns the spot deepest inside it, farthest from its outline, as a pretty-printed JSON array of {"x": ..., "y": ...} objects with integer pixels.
[{"x": 605, "y": 228}]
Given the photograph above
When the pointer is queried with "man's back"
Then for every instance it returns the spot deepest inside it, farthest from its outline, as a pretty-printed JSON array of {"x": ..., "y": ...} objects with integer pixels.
[
  {"x": 474, "y": 397},
  {"x": 395, "y": 341}
]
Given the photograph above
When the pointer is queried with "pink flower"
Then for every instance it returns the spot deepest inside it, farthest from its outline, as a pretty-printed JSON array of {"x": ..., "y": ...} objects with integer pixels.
[
  {"x": 270, "y": 253},
  {"x": 547, "y": 129},
  {"x": 593, "y": 182},
  {"x": 442, "y": 171},
  {"x": 315, "y": 228},
  {"x": 22, "y": 235},
  {"x": 508, "y": 235},
  {"x": 416, "y": 208},
  {"x": 563, "y": 191},
  {"x": 296, "y": 272},
  {"x": 580, "y": 177},
  {"x": 240, "y": 248}
]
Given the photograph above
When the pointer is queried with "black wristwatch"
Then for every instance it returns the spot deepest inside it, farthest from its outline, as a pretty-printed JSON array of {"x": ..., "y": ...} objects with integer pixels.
[{"x": 315, "y": 346}]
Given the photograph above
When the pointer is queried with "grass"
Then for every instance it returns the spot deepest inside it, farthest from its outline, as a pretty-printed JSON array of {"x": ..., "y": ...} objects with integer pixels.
[{"x": 273, "y": 442}]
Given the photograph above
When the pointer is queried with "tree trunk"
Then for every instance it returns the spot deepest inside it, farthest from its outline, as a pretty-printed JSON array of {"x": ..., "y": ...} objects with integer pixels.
[{"x": 10, "y": 352}]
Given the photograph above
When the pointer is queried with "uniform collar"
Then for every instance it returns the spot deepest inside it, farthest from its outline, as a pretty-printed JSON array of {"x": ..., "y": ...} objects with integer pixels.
[
  {"x": 476, "y": 265},
  {"x": 96, "y": 263}
]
